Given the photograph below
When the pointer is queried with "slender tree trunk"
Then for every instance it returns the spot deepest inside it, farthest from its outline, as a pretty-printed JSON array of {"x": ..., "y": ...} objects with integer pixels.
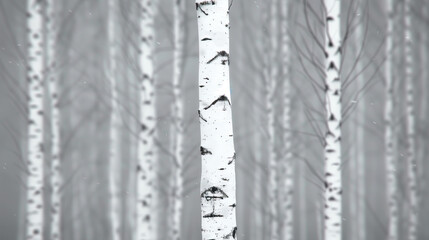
[
  {"x": 218, "y": 197},
  {"x": 147, "y": 154},
  {"x": 178, "y": 111},
  {"x": 410, "y": 123},
  {"x": 56, "y": 176},
  {"x": 114, "y": 133},
  {"x": 272, "y": 159},
  {"x": 35, "y": 77},
  {"x": 302, "y": 203},
  {"x": 389, "y": 135},
  {"x": 360, "y": 140},
  {"x": 333, "y": 189},
  {"x": 265, "y": 209},
  {"x": 287, "y": 188}
]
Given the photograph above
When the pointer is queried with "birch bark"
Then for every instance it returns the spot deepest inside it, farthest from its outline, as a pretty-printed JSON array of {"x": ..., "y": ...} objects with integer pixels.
[
  {"x": 287, "y": 188},
  {"x": 56, "y": 176},
  {"x": 410, "y": 125},
  {"x": 147, "y": 154},
  {"x": 389, "y": 135},
  {"x": 114, "y": 133},
  {"x": 35, "y": 78},
  {"x": 333, "y": 191},
  {"x": 218, "y": 197},
  {"x": 178, "y": 111}
]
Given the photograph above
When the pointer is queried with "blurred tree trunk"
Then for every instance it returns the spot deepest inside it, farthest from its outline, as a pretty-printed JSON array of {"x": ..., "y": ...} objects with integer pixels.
[
  {"x": 287, "y": 166},
  {"x": 147, "y": 154},
  {"x": 114, "y": 131},
  {"x": 264, "y": 194},
  {"x": 389, "y": 136},
  {"x": 178, "y": 122},
  {"x": 56, "y": 176},
  {"x": 272, "y": 84},
  {"x": 410, "y": 124},
  {"x": 35, "y": 78},
  {"x": 218, "y": 197},
  {"x": 333, "y": 188}
]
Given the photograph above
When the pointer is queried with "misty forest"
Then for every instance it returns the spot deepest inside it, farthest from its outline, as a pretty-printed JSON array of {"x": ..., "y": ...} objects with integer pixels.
[{"x": 214, "y": 119}]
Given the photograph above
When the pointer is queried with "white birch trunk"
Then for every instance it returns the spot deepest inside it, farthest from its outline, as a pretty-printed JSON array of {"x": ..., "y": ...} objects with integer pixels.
[
  {"x": 410, "y": 125},
  {"x": 147, "y": 154},
  {"x": 178, "y": 111},
  {"x": 272, "y": 161},
  {"x": 114, "y": 133},
  {"x": 35, "y": 78},
  {"x": 389, "y": 135},
  {"x": 333, "y": 191},
  {"x": 218, "y": 197},
  {"x": 56, "y": 176},
  {"x": 287, "y": 188}
]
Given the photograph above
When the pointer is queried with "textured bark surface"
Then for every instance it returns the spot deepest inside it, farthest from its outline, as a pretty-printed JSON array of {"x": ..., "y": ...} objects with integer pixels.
[
  {"x": 410, "y": 124},
  {"x": 55, "y": 175},
  {"x": 147, "y": 153},
  {"x": 218, "y": 197},
  {"x": 35, "y": 78},
  {"x": 333, "y": 191},
  {"x": 178, "y": 111},
  {"x": 389, "y": 134},
  {"x": 287, "y": 164},
  {"x": 114, "y": 131}
]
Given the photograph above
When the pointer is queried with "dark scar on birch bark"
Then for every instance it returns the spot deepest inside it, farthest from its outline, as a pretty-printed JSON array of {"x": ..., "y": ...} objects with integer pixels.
[
  {"x": 206, "y": 39},
  {"x": 232, "y": 159},
  {"x": 198, "y": 5},
  {"x": 332, "y": 66},
  {"x": 231, "y": 234},
  {"x": 222, "y": 98},
  {"x": 222, "y": 54},
  {"x": 201, "y": 116},
  {"x": 213, "y": 193},
  {"x": 204, "y": 151}
]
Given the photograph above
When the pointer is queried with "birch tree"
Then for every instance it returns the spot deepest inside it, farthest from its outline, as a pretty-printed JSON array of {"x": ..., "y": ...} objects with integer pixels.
[
  {"x": 272, "y": 158},
  {"x": 35, "y": 78},
  {"x": 218, "y": 201},
  {"x": 287, "y": 188},
  {"x": 178, "y": 111},
  {"x": 410, "y": 124},
  {"x": 56, "y": 176},
  {"x": 114, "y": 131},
  {"x": 333, "y": 191},
  {"x": 389, "y": 135},
  {"x": 145, "y": 225}
]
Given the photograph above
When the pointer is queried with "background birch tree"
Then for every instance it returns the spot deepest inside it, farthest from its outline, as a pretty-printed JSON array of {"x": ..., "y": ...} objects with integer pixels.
[
  {"x": 56, "y": 179},
  {"x": 35, "y": 78}
]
